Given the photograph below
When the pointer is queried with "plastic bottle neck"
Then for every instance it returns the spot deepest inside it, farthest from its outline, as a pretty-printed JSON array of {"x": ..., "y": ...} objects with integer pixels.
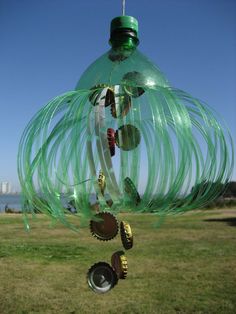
[{"x": 123, "y": 39}]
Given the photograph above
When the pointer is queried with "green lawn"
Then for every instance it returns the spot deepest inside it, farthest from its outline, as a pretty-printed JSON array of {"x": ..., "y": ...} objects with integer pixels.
[{"x": 187, "y": 265}]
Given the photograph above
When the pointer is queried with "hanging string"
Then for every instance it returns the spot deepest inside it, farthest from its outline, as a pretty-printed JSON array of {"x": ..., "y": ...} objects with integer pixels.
[{"x": 123, "y": 7}]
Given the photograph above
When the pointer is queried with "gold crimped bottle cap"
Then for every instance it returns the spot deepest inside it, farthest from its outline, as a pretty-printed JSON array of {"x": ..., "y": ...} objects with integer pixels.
[
  {"x": 106, "y": 228},
  {"x": 126, "y": 235},
  {"x": 102, "y": 181},
  {"x": 119, "y": 264},
  {"x": 131, "y": 191},
  {"x": 127, "y": 137},
  {"x": 96, "y": 95},
  {"x": 121, "y": 105},
  {"x": 111, "y": 140}
]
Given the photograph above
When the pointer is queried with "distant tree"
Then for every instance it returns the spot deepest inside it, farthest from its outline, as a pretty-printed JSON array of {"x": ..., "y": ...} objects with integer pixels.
[
  {"x": 230, "y": 190},
  {"x": 204, "y": 188}
]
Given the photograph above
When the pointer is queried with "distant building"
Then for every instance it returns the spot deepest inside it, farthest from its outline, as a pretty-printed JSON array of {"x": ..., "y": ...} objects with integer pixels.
[{"x": 5, "y": 188}]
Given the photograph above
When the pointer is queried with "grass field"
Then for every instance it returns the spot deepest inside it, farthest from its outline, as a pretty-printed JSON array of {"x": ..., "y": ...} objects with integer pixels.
[{"x": 188, "y": 265}]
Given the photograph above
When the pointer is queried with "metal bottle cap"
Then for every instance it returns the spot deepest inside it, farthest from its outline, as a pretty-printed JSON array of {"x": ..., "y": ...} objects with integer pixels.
[{"x": 101, "y": 277}]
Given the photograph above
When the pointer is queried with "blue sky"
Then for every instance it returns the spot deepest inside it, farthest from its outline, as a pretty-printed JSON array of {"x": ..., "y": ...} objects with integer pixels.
[{"x": 46, "y": 45}]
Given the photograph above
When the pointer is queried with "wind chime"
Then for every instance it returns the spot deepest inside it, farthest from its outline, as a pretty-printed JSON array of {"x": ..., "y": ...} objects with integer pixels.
[{"x": 128, "y": 137}]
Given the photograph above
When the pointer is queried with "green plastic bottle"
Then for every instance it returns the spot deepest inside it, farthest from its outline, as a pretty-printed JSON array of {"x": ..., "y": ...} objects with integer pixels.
[
  {"x": 122, "y": 58},
  {"x": 125, "y": 137}
]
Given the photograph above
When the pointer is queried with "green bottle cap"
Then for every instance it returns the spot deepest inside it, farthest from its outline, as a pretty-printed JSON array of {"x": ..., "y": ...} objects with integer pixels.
[{"x": 124, "y": 22}]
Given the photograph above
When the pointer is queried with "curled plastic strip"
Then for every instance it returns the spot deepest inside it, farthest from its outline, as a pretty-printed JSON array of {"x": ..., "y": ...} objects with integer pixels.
[{"x": 183, "y": 160}]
